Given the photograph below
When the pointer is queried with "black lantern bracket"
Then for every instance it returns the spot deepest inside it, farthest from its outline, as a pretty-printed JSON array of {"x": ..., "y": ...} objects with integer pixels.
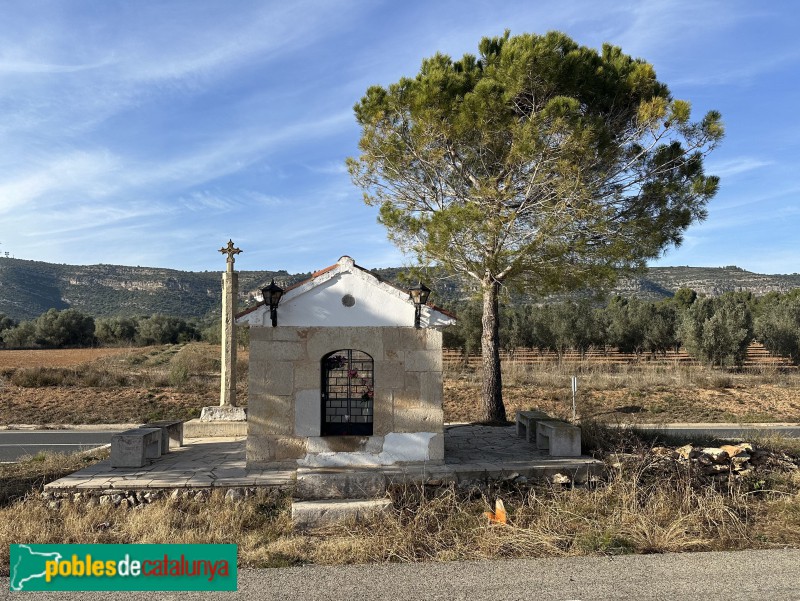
[
  {"x": 419, "y": 294},
  {"x": 272, "y": 296}
]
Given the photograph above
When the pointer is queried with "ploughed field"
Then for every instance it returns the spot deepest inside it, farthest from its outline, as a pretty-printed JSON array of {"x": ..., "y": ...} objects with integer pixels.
[
  {"x": 109, "y": 385},
  {"x": 127, "y": 385},
  {"x": 55, "y": 358}
]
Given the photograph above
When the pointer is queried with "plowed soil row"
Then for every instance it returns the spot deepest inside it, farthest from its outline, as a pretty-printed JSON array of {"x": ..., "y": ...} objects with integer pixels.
[{"x": 57, "y": 358}]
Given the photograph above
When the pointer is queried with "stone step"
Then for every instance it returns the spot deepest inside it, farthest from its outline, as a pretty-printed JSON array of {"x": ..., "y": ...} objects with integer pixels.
[
  {"x": 194, "y": 428},
  {"x": 312, "y": 514},
  {"x": 313, "y": 484}
]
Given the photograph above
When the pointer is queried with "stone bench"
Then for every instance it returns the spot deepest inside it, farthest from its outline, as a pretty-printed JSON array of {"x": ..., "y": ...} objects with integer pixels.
[
  {"x": 558, "y": 438},
  {"x": 136, "y": 447},
  {"x": 171, "y": 433},
  {"x": 526, "y": 424}
]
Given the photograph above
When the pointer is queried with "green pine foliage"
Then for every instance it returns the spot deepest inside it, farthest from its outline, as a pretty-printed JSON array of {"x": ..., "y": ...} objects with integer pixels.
[{"x": 537, "y": 165}]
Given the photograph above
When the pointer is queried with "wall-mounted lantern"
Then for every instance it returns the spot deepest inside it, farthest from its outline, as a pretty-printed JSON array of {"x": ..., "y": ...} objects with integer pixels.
[
  {"x": 272, "y": 296},
  {"x": 419, "y": 294}
]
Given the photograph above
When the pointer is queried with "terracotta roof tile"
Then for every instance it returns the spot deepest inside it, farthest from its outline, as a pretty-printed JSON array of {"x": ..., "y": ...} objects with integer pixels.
[
  {"x": 443, "y": 311},
  {"x": 314, "y": 275},
  {"x": 248, "y": 311}
]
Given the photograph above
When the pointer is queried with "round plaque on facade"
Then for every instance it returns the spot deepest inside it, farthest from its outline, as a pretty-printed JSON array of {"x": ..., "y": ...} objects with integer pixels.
[{"x": 348, "y": 300}]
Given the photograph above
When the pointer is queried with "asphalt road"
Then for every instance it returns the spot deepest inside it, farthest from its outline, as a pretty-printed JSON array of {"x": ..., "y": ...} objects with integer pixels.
[
  {"x": 15, "y": 443},
  {"x": 739, "y": 576}
]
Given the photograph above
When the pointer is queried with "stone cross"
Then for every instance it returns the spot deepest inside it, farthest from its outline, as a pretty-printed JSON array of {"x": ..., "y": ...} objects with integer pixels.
[
  {"x": 230, "y": 292},
  {"x": 227, "y": 410},
  {"x": 230, "y": 250}
]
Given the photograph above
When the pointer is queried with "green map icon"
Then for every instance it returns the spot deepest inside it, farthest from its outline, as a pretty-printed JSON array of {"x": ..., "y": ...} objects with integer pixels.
[{"x": 28, "y": 565}]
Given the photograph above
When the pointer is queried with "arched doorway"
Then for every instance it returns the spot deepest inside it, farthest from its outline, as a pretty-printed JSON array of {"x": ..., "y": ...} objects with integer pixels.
[{"x": 347, "y": 393}]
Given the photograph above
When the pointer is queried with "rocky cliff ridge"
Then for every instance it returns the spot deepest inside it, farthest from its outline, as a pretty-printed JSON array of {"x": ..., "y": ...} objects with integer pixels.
[{"x": 29, "y": 288}]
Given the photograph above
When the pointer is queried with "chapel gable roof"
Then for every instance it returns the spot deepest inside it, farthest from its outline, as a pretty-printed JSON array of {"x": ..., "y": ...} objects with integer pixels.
[{"x": 347, "y": 266}]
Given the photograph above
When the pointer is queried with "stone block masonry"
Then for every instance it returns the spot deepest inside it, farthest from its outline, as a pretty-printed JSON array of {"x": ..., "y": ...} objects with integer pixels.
[
  {"x": 135, "y": 447},
  {"x": 285, "y": 396}
]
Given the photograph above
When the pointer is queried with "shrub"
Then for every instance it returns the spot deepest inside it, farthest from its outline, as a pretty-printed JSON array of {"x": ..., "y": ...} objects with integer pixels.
[
  {"x": 22, "y": 336},
  {"x": 178, "y": 375},
  {"x": 193, "y": 360},
  {"x": 161, "y": 329},
  {"x": 6, "y": 323},
  {"x": 38, "y": 377},
  {"x": 117, "y": 330}
]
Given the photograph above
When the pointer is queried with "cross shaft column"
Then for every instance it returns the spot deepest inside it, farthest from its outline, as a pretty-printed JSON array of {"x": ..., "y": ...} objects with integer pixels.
[{"x": 230, "y": 294}]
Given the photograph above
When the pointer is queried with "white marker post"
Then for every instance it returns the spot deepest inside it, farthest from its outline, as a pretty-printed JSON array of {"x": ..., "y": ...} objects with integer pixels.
[{"x": 574, "y": 392}]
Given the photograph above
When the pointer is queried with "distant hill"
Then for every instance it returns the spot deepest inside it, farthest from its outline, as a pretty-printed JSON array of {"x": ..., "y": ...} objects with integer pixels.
[
  {"x": 29, "y": 288},
  {"x": 661, "y": 282}
]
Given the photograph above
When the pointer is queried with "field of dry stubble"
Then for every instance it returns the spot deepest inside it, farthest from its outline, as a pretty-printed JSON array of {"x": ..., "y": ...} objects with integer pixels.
[{"x": 121, "y": 385}]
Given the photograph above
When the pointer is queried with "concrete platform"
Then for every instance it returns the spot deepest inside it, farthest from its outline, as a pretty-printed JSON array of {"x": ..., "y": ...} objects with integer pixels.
[
  {"x": 201, "y": 463},
  {"x": 472, "y": 454}
]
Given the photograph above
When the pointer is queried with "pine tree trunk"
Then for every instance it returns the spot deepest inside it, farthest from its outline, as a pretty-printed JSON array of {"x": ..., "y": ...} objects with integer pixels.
[{"x": 493, "y": 408}]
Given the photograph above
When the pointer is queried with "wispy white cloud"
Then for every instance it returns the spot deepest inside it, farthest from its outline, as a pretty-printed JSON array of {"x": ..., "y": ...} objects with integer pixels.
[
  {"x": 92, "y": 218},
  {"x": 766, "y": 201},
  {"x": 697, "y": 43},
  {"x": 76, "y": 173},
  {"x": 725, "y": 71},
  {"x": 17, "y": 67},
  {"x": 261, "y": 31},
  {"x": 224, "y": 201},
  {"x": 329, "y": 168},
  {"x": 232, "y": 152},
  {"x": 207, "y": 200},
  {"x": 735, "y": 166},
  {"x": 86, "y": 176},
  {"x": 158, "y": 51},
  {"x": 657, "y": 26}
]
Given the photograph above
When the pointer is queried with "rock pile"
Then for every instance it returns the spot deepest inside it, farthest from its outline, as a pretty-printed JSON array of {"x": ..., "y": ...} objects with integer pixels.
[{"x": 718, "y": 463}]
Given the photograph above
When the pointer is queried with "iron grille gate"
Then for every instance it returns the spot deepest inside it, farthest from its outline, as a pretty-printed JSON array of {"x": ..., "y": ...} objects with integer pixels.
[{"x": 347, "y": 393}]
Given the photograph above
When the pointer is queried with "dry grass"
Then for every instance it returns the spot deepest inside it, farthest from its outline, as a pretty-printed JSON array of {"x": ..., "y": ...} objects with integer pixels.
[
  {"x": 647, "y": 392},
  {"x": 646, "y": 506},
  {"x": 251, "y": 525},
  {"x": 623, "y": 515},
  {"x": 33, "y": 472}
]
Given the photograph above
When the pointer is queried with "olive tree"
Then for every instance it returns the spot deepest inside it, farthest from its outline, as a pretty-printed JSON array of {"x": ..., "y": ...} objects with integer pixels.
[
  {"x": 719, "y": 330},
  {"x": 67, "y": 328},
  {"x": 778, "y": 327},
  {"x": 539, "y": 164}
]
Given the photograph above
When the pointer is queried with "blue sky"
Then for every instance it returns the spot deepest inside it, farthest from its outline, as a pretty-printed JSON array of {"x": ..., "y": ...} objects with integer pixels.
[{"x": 150, "y": 132}]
